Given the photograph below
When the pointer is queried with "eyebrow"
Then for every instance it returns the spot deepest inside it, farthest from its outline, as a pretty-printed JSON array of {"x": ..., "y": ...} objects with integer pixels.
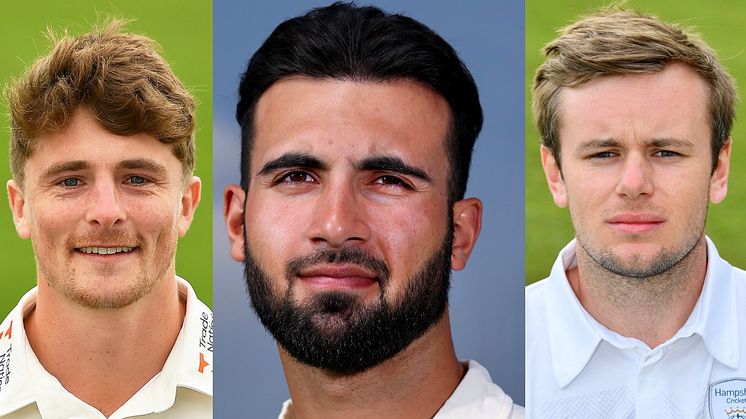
[
  {"x": 144, "y": 164},
  {"x": 77, "y": 165},
  {"x": 596, "y": 144},
  {"x": 288, "y": 160},
  {"x": 393, "y": 164},
  {"x": 67, "y": 166},
  {"x": 610, "y": 142},
  {"x": 670, "y": 142},
  {"x": 389, "y": 163}
]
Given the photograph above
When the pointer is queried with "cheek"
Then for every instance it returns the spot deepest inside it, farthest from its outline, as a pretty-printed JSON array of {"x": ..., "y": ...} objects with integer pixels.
[
  {"x": 50, "y": 223},
  {"x": 275, "y": 232},
  {"x": 588, "y": 195},
  {"x": 155, "y": 216},
  {"x": 410, "y": 234},
  {"x": 691, "y": 202}
]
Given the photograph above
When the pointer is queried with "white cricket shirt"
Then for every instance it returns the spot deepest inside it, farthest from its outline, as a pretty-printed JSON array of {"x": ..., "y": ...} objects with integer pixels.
[
  {"x": 183, "y": 388},
  {"x": 576, "y": 368},
  {"x": 476, "y": 397}
]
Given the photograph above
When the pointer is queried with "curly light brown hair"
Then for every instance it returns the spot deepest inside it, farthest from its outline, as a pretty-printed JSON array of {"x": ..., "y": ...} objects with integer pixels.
[
  {"x": 616, "y": 42},
  {"x": 118, "y": 77}
]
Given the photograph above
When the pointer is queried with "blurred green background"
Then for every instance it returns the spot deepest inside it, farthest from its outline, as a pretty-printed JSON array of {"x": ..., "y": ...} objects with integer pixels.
[
  {"x": 183, "y": 29},
  {"x": 720, "y": 22}
]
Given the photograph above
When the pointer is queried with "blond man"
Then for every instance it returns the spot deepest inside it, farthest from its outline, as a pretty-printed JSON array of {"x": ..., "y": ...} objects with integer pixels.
[
  {"x": 639, "y": 317},
  {"x": 102, "y": 155}
]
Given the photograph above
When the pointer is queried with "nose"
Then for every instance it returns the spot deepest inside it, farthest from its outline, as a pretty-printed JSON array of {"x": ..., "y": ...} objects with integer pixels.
[
  {"x": 104, "y": 205},
  {"x": 339, "y": 217},
  {"x": 636, "y": 178}
]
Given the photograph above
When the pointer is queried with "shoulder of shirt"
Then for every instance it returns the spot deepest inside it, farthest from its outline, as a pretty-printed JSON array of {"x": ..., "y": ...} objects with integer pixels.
[
  {"x": 16, "y": 391},
  {"x": 535, "y": 301},
  {"x": 738, "y": 272},
  {"x": 477, "y": 396},
  {"x": 539, "y": 294},
  {"x": 535, "y": 289},
  {"x": 196, "y": 353},
  {"x": 564, "y": 257}
]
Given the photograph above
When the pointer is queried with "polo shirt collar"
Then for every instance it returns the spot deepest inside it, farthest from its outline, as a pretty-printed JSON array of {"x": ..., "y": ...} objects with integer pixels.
[
  {"x": 713, "y": 316},
  {"x": 573, "y": 347},
  {"x": 572, "y": 338},
  {"x": 16, "y": 383}
]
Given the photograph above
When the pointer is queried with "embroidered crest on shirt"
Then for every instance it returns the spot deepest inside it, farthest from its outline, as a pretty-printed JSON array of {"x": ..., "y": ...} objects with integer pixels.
[{"x": 727, "y": 399}]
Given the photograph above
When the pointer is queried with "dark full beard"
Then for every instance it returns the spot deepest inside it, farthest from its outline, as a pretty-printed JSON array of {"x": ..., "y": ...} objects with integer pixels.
[{"x": 336, "y": 332}]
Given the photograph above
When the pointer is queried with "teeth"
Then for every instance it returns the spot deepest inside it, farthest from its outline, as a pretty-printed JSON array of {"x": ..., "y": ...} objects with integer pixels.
[{"x": 106, "y": 250}]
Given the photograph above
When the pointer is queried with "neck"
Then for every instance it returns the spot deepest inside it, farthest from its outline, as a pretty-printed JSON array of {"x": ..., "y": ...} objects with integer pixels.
[
  {"x": 104, "y": 356},
  {"x": 413, "y": 384},
  {"x": 650, "y": 309}
]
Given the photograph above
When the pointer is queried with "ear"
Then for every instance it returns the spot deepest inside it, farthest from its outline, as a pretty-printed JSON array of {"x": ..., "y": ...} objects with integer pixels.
[
  {"x": 233, "y": 211},
  {"x": 554, "y": 177},
  {"x": 467, "y": 221},
  {"x": 189, "y": 203},
  {"x": 719, "y": 179},
  {"x": 18, "y": 208}
]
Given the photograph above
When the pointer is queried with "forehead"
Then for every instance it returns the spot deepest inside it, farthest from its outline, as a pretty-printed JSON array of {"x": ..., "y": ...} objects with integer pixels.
[
  {"x": 671, "y": 103},
  {"x": 84, "y": 139},
  {"x": 350, "y": 119}
]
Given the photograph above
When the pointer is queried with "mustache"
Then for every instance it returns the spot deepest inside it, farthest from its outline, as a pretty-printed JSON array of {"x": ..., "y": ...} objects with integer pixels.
[
  {"x": 348, "y": 255},
  {"x": 105, "y": 237}
]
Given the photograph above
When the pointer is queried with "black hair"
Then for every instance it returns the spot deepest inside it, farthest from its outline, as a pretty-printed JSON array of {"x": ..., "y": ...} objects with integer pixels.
[{"x": 346, "y": 42}]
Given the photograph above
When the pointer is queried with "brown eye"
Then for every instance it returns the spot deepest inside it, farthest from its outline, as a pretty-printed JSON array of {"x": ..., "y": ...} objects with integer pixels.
[
  {"x": 389, "y": 180},
  {"x": 392, "y": 181},
  {"x": 299, "y": 177},
  {"x": 296, "y": 177}
]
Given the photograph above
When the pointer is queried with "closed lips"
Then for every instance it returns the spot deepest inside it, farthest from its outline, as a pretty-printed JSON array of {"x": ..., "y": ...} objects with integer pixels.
[
  {"x": 337, "y": 271},
  {"x": 635, "y": 219}
]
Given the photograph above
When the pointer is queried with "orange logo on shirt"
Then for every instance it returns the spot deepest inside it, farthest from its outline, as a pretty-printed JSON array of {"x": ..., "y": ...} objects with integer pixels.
[
  {"x": 202, "y": 363},
  {"x": 8, "y": 332}
]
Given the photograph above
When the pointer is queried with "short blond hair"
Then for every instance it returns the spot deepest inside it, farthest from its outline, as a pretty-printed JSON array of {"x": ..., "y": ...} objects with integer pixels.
[
  {"x": 118, "y": 77},
  {"x": 616, "y": 42}
]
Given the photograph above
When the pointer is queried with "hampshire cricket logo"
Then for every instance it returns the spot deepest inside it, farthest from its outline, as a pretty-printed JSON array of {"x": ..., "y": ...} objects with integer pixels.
[{"x": 727, "y": 399}]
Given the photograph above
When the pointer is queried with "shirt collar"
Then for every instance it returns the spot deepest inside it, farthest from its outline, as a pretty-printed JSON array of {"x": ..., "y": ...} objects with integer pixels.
[
  {"x": 16, "y": 385},
  {"x": 713, "y": 316},
  {"x": 572, "y": 347},
  {"x": 189, "y": 364},
  {"x": 475, "y": 396}
]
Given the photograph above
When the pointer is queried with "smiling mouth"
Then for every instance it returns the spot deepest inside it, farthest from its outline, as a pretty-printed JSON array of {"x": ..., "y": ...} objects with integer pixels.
[{"x": 105, "y": 250}]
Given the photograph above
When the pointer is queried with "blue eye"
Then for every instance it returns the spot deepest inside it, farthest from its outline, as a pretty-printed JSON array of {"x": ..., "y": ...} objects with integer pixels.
[
  {"x": 666, "y": 153},
  {"x": 71, "y": 182},
  {"x": 137, "y": 180}
]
